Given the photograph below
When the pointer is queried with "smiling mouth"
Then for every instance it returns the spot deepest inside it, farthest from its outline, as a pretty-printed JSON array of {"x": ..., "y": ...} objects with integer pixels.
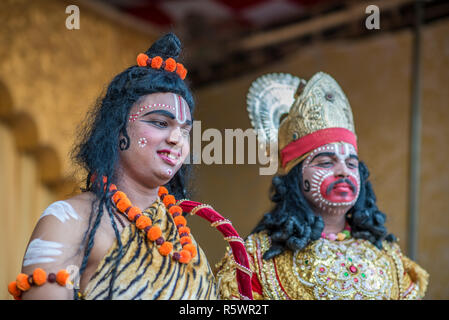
[{"x": 169, "y": 155}]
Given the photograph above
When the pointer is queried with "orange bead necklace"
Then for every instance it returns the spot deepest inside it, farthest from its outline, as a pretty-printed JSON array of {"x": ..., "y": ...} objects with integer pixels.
[{"x": 154, "y": 232}]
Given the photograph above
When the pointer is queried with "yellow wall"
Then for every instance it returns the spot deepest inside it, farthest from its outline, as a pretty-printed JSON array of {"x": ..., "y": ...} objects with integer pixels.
[{"x": 50, "y": 76}]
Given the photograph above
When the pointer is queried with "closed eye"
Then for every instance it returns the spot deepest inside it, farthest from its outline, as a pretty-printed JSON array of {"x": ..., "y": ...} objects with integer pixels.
[
  {"x": 326, "y": 164},
  {"x": 352, "y": 165}
]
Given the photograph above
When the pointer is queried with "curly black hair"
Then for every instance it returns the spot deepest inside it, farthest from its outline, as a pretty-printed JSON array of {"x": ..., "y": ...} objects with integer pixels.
[
  {"x": 292, "y": 224},
  {"x": 97, "y": 150}
]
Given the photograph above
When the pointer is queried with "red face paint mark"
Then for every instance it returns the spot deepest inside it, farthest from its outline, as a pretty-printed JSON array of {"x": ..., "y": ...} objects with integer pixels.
[
  {"x": 336, "y": 189},
  {"x": 342, "y": 149}
]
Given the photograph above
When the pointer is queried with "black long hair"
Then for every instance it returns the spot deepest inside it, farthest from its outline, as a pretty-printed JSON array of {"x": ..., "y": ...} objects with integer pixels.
[
  {"x": 292, "y": 224},
  {"x": 98, "y": 148}
]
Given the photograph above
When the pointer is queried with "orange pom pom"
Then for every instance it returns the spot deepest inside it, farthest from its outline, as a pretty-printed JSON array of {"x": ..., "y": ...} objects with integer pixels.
[
  {"x": 13, "y": 290},
  {"x": 61, "y": 277},
  {"x": 175, "y": 209},
  {"x": 123, "y": 204},
  {"x": 39, "y": 276},
  {"x": 154, "y": 233},
  {"x": 184, "y": 230},
  {"x": 143, "y": 222},
  {"x": 185, "y": 256},
  {"x": 169, "y": 199},
  {"x": 112, "y": 187},
  {"x": 191, "y": 248},
  {"x": 181, "y": 71},
  {"x": 142, "y": 60},
  {"x": 162, "y": 190},
  {"x": 165, "y": 248},
  {"x": 185, "y": 240},
  {"x": 170, "y": 64},
  {"x": 118, "y": 195},
  {"x": 156, "y": 62},
  {"x": 133, "y": 212},
  {"x": 180, "y": 220},
  {"x": 22, "y": 282}
]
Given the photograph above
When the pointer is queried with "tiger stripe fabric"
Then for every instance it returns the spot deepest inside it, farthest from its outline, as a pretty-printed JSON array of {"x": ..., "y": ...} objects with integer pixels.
[{"x": 144, "y": 274}]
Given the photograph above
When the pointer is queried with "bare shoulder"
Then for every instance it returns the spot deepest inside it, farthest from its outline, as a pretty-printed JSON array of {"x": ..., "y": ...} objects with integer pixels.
[
  {"x": 65, "y": 219},
  {"x": 57, "y": 243}
]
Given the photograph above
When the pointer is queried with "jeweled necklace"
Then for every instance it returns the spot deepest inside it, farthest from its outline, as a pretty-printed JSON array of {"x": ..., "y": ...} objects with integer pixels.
[
  {"x": 345, "y": 234},
  {"x": 154, "y": 232}
]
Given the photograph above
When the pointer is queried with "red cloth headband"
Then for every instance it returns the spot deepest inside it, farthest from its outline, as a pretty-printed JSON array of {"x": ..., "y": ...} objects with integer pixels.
[{"x": 315, "y": 140}]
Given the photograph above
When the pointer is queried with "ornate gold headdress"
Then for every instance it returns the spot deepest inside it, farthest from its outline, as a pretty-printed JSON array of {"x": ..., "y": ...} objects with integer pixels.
[{"x": 319, "y": 113}]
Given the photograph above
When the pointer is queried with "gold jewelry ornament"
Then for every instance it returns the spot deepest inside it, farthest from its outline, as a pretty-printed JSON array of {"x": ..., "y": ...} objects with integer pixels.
[{"x": 268, "y": 100}]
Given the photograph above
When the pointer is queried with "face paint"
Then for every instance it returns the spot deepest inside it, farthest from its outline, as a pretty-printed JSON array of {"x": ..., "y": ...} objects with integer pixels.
[
  {"x": 133, "y": 117},
  {"x": 306, "y": 186},
  {"x": 61, "y": 210},
  {"x": 180, "y": 108},
  {"x": 41, "y": 251},
  {"x": 335, "y": 181},
  {"x": 159, "y": 143},
  {"x": 142, "y": 142}
]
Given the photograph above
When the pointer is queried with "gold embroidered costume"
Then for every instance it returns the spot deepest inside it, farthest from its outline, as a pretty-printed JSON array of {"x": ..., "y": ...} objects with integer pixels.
[
  {"x": 143, "y": 273},
  {"x": 301, "y": 117},
  {"x": 327, "y": 270}
]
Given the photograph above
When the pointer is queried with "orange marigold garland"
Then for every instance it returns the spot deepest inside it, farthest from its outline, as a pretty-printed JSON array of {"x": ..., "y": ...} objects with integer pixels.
[
  {"x": 39, "y": 277},
  {"x": 157, "y": 63},
  {"x": 142, "y": 60},
  {"x": 154, "y": 233},
  {"x": 170, "y": 64}
]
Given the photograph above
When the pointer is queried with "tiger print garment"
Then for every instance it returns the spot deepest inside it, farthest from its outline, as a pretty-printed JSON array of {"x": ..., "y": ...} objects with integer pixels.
[{"x": 144, "y": 274}]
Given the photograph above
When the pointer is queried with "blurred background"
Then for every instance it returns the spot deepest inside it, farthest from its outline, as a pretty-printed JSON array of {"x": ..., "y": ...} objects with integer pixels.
[{"x": 51, "y": 75}]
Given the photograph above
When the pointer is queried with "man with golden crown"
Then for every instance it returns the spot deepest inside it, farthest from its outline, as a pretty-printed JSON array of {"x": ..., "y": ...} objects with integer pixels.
[{"x": 325, "y": 237}]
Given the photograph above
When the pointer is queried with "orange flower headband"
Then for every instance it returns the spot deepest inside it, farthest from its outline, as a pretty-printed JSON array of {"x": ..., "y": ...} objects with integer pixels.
[{"x": 157, "y": 62}]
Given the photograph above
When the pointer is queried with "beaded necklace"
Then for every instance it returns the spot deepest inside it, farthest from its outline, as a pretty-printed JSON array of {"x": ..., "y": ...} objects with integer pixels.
[
  {"x": 345, "y": 234},
  {"x": 154, "y": 232}
]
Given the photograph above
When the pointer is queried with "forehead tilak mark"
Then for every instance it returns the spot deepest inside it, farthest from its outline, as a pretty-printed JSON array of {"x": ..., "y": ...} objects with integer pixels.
[{"x": 180, "y": 108}]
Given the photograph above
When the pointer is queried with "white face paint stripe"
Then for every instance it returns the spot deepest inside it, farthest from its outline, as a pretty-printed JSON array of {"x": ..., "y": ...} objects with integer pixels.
[
  {"x": 40, "y": 251},
  {"x": 180, "y": 109},
  {"x": 62, "y": 210},
  {"x": 175, "y": 98}
]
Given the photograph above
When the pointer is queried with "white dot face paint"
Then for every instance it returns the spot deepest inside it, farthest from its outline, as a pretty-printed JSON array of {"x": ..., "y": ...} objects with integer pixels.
[
  {"x": 41, "y": 251},
  {"x": 142, "y": 142},
  {"x": 140, "y": 111},
  {"x": 332, "y": 173}
]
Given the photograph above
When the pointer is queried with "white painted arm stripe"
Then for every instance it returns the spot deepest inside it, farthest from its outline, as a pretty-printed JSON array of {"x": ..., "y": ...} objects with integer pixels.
[
  {"x": 62, "y": 210},
  {"x": 40, "y": 251}
]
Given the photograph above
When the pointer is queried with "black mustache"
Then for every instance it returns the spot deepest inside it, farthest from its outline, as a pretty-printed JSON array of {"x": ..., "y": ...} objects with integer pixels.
[{"x": 331, "y": 186}]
